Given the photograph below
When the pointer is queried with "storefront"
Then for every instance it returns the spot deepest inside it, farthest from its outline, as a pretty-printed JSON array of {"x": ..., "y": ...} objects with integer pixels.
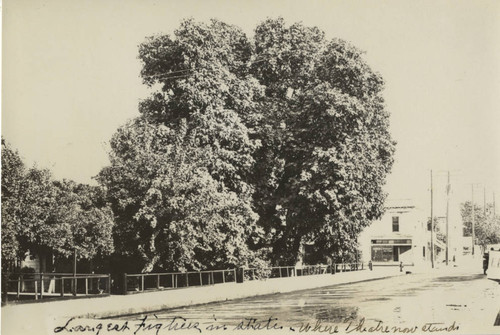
[{"x": 391, "y": 250}]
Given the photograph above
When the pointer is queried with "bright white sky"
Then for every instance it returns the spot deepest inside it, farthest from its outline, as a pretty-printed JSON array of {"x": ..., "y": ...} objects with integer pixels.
[{"x": 71, "y": 77}]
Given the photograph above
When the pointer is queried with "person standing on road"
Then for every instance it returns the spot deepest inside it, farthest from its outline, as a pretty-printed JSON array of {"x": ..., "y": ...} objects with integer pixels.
[{"x": 486, "y": 260}]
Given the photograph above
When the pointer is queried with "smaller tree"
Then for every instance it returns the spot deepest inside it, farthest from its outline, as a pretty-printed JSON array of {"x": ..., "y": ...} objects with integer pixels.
[
  {"x": 13, "y": 171},
  {"x": 47, "y": 217},
  {"x": 37, "y": 231},
  {"x": 486, "y": 225}
]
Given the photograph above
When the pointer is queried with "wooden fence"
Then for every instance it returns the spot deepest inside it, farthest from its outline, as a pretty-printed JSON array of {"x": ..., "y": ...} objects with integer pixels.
[{"x": 35, "y": 286}]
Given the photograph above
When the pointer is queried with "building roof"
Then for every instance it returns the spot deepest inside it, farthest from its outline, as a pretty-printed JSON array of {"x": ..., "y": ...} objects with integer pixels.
[{"x": 399, "y": 204}]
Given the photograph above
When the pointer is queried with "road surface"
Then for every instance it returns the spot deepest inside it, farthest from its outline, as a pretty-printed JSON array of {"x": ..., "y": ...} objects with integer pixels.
[{"x": 448, "y": 301}]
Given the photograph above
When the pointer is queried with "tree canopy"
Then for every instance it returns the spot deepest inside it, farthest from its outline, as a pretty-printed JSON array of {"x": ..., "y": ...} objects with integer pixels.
[
  {"x": 248, "y": 148},
  {"x": 171, "y": 213},
  {"x": 326, "y": 130},
  {"x": 13, "y": 170},
  {"x": 486, "y": 224},
  {"x": 43, "y": 216}
]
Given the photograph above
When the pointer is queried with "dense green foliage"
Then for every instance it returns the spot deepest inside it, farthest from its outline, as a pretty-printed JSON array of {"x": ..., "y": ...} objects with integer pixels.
[
  {"x": 13, "y": 171},
  {"x": 171, "y": 213},
  {"x": 47, "y": 217},
  {"x": 326, "y": 147},
  {"x": 248, "y": 148}
]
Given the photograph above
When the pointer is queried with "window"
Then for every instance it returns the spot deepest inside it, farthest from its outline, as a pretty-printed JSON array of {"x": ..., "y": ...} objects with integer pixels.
[
  {"x": 391, "y": 241},
  {"x": 382, "y": 253},
  {"x": 395, "y": 223}
]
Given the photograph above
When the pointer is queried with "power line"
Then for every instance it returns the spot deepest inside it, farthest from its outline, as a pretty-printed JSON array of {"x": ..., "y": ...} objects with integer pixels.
[
  {"x": 175, "y": 77},
  {"x": 168, "y": 75}
]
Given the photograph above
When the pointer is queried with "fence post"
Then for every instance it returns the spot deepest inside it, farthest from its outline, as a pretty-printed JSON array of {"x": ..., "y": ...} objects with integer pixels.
[
  {"x": 91, "y": 285},
  {"x": 18, "y": 287},
  {"x": 109, "y": 283},
  {"x": 201, "y": 279},
  {"x": 36, "y": 289},
  {"x": 187, "y": 279},
  {"x": 86, "y": 285},
  {"x": 158, "y": 282},
  {"x": 124, "y": 283},
  {"x": 62, "y": 287},
  {"x": 173, "y": 281},
  {"x": 142, "y": 282},
  {"x": 223, "y": 276},
  {"x": 41, "y": 285}
]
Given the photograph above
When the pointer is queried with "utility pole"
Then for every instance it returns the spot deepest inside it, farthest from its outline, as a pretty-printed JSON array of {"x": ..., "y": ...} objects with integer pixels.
[
  {"x": 74, "y": 272},
  {"x": 448, "y": 186},
  {"x": 473, "y": 220},
  {"x": 432, "y": 226}
]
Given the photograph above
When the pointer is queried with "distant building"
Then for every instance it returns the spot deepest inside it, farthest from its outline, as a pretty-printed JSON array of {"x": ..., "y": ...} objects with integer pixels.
[
  {"x": 401, "y": 235},
  {"x": 467, "y": 247}
]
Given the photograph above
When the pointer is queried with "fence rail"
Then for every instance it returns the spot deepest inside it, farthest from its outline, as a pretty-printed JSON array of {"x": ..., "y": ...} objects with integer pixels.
[
  {"x": 293, "y": 271},
  {"x": 142, "y": 282},
  {"x": 35, "y": 286}
]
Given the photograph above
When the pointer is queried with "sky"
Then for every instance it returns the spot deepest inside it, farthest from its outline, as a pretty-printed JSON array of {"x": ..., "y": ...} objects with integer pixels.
[{"x": 70, "y": 78}]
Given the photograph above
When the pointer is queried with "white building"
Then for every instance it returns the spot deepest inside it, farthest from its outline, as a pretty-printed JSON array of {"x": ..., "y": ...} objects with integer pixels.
[{"x": 401, "y": 235}]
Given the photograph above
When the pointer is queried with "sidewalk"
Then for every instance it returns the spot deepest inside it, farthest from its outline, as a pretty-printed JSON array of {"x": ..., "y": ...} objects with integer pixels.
[{"x": 37, "y": 318}]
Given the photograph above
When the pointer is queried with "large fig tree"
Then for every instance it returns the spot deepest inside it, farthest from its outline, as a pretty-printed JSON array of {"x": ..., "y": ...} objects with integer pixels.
[{"x": 248, "y": 146}]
